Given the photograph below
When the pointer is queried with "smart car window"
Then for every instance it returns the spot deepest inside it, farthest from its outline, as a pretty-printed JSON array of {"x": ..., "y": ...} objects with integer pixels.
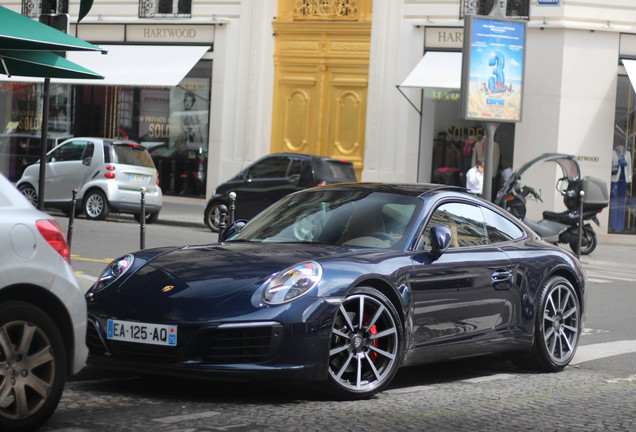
[
  {"x": 132, "y": 155},
  {"x": 273, "y": 167},
  {"x": 71, "y": 151},
  {"x": 465, "y": 221},
  {"x": 88, "y": 151},
  {"x": 499, "y": 228}
]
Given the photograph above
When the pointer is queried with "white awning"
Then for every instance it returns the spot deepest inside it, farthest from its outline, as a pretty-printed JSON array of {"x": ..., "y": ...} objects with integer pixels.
[
  {"x": 435, "y": 69},
  {"x": 133, "y": 65},
  {"x": 630, "y": 68}
]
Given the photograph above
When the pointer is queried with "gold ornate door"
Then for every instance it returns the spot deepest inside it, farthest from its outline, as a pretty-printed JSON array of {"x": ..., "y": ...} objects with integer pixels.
[{"x": 321, "y": 79}]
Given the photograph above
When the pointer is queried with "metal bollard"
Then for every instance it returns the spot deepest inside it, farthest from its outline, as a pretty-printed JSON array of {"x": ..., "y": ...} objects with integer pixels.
[
  {"x": 71, "y": 220},
  {"x": 578, "y": 242},
  {"x": 142, "y": 219},
  {"x": 232, "y": 196},
  {"x": 222, "y": 220}
]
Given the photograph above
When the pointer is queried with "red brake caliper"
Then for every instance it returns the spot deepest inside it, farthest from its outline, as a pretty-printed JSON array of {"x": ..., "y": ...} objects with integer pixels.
[{"x": 373, "y": 331}]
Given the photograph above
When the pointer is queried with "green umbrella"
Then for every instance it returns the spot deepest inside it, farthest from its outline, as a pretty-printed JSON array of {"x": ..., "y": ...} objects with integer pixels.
[
  {"x": 42, "y": 64},
  {"x": 18, "y": 32}
]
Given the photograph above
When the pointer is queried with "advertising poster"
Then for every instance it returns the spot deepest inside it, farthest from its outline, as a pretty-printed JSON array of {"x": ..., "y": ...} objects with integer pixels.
[{"x": 492, "y": 79}]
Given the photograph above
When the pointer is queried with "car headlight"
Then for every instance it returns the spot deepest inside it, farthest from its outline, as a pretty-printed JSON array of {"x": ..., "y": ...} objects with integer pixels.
[
  {"x": 113, "y": 271},
  {"x": 292, "y": 283}
]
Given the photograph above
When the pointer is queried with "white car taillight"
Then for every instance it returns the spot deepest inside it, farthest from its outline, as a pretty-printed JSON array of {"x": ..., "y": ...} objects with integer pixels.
[{"x": 53, "y": 234}]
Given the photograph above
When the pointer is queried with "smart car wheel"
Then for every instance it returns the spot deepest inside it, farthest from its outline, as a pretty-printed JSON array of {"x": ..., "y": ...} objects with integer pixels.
[
  {"x": 96, "y": 205},
  {"x": 32, "y": 366},
  {"x": 557, "y": 327},
  {"x": 212, "y": 215},
  {"x": 29, "y": 192},
  {"x": 365, "y": 347}
]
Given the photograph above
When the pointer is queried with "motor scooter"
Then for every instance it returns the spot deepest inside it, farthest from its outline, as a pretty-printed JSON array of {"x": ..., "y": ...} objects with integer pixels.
[{"x": 559, "y": 227}]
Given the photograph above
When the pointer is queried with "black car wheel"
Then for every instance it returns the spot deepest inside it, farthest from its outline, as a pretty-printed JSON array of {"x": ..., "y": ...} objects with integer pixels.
[
  {"x": 588, "y": 241},
  {"x": 212, "y": 215},
  {"x": 150, "y": 217},
  {"x": 32, "y": 366},
  {"x": 365, "y": 347},
  {"x": 96, "y": 205},
  {"x": 557, "y": 327},
  {"x": 29, "y": 192}
]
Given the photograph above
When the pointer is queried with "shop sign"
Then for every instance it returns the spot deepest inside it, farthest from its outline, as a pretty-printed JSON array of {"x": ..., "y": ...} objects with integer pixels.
[
  {"x": 170, "y": 33},
  {"x": 444, "y": 37}
]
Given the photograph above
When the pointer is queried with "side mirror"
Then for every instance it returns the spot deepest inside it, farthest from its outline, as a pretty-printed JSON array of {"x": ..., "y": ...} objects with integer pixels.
[
  {"x": 233, "y": 229},
  {"x": 440, "y": 238}
]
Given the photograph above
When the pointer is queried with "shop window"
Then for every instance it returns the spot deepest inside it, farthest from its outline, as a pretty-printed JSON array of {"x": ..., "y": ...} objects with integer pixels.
[
  {"x": 622, "y": 212},
  {"x": 165, "y": 8}
]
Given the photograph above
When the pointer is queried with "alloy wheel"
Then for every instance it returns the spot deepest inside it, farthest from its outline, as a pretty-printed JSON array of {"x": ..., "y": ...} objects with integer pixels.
[
  {"x": 561, "y": 321},
  {"x": 27, "y": 369},
  {"x": 94, "y": 206},
  {"x": 363, "y": 353},
  {"x": 31, "y": 194}
]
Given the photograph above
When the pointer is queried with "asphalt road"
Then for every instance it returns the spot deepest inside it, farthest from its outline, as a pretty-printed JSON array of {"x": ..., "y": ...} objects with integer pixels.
[{"x": 595, "y": 393}]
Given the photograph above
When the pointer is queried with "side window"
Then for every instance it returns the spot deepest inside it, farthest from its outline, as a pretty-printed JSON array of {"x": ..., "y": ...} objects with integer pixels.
[
  {"x": 499, "y": 228},
  {"x": 71, "y": 151},
  {"x": 88, "y": 151},
  {"x": 273, "y": 167},
  {"x": 465, "y": 221}
]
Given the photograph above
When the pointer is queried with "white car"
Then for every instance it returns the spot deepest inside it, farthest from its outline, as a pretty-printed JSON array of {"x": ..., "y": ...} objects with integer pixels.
[
  {"x": 108, "y": 175},
  {"x": 42, "y": 313}
]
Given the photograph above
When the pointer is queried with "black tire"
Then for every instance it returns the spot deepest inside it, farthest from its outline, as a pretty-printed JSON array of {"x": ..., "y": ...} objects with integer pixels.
[
  {"x": 95, "y": 205},
  {"x": 38, "y": 383},
  {"x": 29, "y": 192},
  {"x": 365, "y": 346},
  {"x": 212, "y": 215},
  {"x": 588, "y": 241},
  {"x": 150, "y": 217},
  {"x": 557, "y": 327}
]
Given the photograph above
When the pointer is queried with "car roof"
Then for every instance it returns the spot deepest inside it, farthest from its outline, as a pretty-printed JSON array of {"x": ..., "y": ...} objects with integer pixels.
[{"x": 410, "y": 189}]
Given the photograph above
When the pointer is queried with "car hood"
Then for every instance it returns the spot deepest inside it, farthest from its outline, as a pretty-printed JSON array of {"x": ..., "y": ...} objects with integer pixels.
[
  {"x": 215, "y": 270},
  {"x": 195, "y": 283}
]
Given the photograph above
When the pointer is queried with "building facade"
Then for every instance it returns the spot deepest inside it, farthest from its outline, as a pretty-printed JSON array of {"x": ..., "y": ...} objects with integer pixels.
[
  {"x": 276, "y": 75},
  {"x": 578, "y": 98}
]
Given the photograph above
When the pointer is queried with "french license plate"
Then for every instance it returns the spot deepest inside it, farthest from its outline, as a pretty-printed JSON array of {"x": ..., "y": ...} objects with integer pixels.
[
  {"x": 138, "y": 178},
  {"x": 129, "y": 331}
]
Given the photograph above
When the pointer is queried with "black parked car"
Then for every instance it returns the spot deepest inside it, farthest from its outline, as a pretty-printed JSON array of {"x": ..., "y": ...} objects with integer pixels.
[
  {"x": 272, "y": 177},
  {"x": 342, "y": 285}
]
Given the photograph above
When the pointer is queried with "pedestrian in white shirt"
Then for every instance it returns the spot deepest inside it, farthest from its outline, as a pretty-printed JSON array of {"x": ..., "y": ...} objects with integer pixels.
[{"x": 475, "y": 178}]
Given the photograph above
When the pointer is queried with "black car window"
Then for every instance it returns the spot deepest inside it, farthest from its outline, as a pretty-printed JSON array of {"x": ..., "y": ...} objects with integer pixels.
[
  {"x": 465, "y": 221},
  {"x": 499, "y": 228},
  {"x": 130, "y": 154},
  {"x": 272, "y": 167},
  {"x": 71, "y": 151}
]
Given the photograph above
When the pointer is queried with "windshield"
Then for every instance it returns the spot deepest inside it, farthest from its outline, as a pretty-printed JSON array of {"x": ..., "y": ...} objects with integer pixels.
[{"x": 336, "y": 217}]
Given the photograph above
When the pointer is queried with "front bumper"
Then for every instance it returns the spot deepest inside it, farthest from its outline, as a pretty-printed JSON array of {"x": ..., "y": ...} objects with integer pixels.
[{"x": 236, "y": 350}]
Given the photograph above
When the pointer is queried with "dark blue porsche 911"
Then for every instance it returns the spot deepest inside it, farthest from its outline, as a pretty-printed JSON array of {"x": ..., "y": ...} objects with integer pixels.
[{"x": 343, "y": 284}]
